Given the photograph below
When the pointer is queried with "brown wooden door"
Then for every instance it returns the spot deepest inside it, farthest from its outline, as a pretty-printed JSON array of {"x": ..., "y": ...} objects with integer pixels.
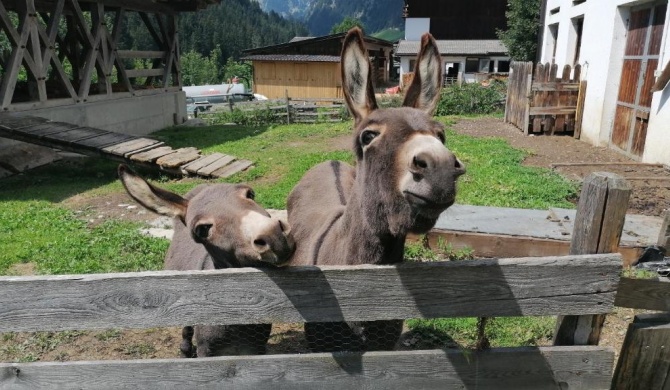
[{"x": 640, "y": 60}]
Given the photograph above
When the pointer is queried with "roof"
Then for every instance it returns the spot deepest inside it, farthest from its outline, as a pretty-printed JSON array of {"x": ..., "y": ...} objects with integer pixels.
[
  {"x": 298, "y": 39},
  {"x": 455, "y": 47},
  {"x": 292, "y": 58},
  {"x": 310, "y": 40}
]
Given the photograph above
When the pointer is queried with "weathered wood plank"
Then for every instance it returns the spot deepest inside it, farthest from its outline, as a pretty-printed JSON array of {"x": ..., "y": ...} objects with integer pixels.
[
  {"x": 553, "y": 86},
  {"x": 553, "y": 110},
  {"x": 601, "y": 213},
  {"x": 664, "y": 233},
  {"x": 208, "y": 164},
  {"x": 15, "y": 122},
  {"x": 233, "y": 168},
  {"x": 587, "y": 368},
  {"x": 144, "y": 72},
  {"x": 180, "y": 157},
  {"x": 126, "y": 147},
  {"x": 73, "y": 135},
  {"x": 645, "y": 358},
  {"x": 506, "y": 287},
  {"x": 152, "y": 155},
  {"x": 647, "y": 294},
  {"x": 104, "y": 140},
  {"x": 40, "y": 131}
]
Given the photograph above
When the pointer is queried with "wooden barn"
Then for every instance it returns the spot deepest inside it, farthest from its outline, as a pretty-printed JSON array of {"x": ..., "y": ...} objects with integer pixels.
[{"x": 309, "y": 67}]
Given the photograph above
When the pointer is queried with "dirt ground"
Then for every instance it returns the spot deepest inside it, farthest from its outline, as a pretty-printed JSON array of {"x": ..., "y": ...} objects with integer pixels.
[{"x": 649, "y": 197}]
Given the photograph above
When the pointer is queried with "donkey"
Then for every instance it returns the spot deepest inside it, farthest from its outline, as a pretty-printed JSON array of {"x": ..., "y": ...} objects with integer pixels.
[
  {"x": 217, "y": 226},
  {"x": 403, "y": 179}
]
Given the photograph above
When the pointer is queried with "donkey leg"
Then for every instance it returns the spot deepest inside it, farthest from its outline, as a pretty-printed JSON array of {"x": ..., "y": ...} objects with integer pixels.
[{"x": 186, "y": 347}]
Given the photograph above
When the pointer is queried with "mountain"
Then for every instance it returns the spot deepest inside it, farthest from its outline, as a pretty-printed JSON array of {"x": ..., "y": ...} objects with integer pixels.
[{"x": 321, "y": 15}]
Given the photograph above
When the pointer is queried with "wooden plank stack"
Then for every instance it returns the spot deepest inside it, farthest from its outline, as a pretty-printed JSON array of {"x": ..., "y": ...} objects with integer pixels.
[{"x": 126, "y": 148}]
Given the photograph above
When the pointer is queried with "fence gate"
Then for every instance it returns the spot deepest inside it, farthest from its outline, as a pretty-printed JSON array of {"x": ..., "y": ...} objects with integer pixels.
[{"x": 543, "y": 101}]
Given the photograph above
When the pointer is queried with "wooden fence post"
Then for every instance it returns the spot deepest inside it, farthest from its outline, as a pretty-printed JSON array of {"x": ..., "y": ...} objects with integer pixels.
[
  {"x": 597, "y": 229},
  {"x": 644, "y": 362},
  {"x": 664, "y": 234},
  {"x": 288, "y": 108}
]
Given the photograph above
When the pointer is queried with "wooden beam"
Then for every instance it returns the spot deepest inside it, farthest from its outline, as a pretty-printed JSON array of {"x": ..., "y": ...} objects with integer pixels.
[
  {"x": 491, "y": 288},
  {"x": 585, "y": 368},
  {"x": 131, "y": 73},
  {"x": 647, "y": 294},
  {"x": 601, "y": 213},
  {"x": 553, "y": 110}
]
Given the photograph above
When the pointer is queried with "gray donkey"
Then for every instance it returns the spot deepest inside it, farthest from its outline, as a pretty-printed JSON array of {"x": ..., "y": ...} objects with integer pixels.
[
  {"x": 217, "y": 226},
  {"x": 403, "y": 179}
]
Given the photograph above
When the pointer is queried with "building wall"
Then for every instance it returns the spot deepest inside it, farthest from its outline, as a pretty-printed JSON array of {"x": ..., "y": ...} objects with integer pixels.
[
  {"x": 139, "y": 115},
  {"x": 602, "y": 47},
  {"x": 301, "y": 79}
]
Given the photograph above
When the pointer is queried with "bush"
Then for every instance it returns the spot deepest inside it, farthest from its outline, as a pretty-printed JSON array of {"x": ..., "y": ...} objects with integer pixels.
[
  {"x": 264, "y": 116},
  {"x": 472, "y": 98}
]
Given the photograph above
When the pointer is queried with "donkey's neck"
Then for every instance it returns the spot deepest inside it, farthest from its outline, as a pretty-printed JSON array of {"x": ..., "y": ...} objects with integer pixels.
[{"x": 370, "y": 240}]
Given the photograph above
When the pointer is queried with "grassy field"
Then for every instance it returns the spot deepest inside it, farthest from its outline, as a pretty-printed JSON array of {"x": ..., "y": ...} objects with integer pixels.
[{"x": 37, "y": 227}]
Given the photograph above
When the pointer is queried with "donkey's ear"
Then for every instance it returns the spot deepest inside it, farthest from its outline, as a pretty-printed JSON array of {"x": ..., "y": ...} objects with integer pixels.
[
  {"x": 153, "y": 198},
  {"x": 424, "y": 92},
  {"x": 356, "y": 76}
]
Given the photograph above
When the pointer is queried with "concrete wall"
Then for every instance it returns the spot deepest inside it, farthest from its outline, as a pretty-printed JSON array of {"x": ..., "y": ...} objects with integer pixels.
[
  {"x": 139, "y": 115},
  {"x": 603, "y": 44}
]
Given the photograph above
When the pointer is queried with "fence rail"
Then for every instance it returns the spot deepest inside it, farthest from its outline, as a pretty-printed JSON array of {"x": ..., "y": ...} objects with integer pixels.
[
  {"x": 291, "y": 110},
  {"x": 518, "y": 368},
  {"x": 514, "y": 287}
]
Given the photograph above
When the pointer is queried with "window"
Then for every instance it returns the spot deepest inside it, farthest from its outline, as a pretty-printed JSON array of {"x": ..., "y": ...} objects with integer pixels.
[
  {"x": 552, "y": 38},
  {"x": 471, "y": 65},
  {"x": 578, "y": 26},
  {"x": 503, "y": 66},
  {"x": 412, "y": 64},
  {"x": 484, "y": 65},
  {"x": 555, "y": 10}
]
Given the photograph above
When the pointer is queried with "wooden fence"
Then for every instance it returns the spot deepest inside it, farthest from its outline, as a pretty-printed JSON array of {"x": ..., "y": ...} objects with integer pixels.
[
  {"x": 580, "y": 288},
  {"x": 289, "y": 110},
  {"x": 541, "y": 101}
]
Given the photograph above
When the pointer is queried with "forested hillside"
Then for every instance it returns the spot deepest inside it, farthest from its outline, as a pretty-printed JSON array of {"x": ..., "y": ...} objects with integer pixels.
[
  {"x": 233, "y": 25},
  {"x": 321, "y": 15}
]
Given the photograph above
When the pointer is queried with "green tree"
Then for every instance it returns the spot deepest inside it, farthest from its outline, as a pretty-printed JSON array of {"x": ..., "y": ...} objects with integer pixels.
[
  {"x": 347, "y": 24},
  {"x": 239, "y": 69},
  {"x": 198, "y": 69},
  {"x": 523, "y": 26}
]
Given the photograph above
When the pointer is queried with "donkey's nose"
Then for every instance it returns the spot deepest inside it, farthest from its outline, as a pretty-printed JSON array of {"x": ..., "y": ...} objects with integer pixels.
[
  {"x": 459, "y": 167},
  {"x": 422, "y": 162},
  {"x": 262, "y": 244}
]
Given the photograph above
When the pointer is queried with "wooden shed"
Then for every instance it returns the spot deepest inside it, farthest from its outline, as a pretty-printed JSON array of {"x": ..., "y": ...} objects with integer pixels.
[{"x": 308, "y": 67}]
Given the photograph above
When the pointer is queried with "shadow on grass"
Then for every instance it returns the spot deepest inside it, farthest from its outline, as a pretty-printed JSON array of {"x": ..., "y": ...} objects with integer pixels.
[{"x": 206, "y": 136}]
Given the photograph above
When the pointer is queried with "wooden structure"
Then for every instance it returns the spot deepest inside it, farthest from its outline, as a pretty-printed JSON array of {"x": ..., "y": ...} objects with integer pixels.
[
  {"x": 309, "y": 67},
  {"x": 541, "y": 101},
  {"x": 119, "y": 147},
  {"x": 290, "y": 110},
  {"x": 574, "y": 285}
]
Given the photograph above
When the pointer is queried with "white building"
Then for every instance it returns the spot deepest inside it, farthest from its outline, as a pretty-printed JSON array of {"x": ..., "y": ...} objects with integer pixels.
[
  {"x": 467, "y": 60},
  {"x": 623, "y": 47}
]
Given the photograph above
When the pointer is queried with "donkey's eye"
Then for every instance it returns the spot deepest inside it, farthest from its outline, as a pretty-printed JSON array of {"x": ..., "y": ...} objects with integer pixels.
[
  {"x": 202, "y": 231},
  {"x": 251, "y": 194},
  {"x": 367, "y": 136}
]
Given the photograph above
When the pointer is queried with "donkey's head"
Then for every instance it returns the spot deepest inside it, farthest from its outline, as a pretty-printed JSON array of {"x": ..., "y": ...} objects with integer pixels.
[
  {"x": 224, "y": 218},
  {"x": 409, "y": 175}
]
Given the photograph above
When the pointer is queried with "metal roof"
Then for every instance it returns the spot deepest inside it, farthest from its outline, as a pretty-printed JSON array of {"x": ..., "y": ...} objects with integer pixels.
[
  {"x": 298, "y": 39},
  {"x": 455, "y": 47},
  {"x": 292, "y": 58},
  {"x": 309, "y": 40}
]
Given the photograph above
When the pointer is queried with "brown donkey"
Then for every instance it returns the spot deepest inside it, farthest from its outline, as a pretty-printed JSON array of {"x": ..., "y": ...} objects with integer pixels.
[
  {"x": 217, "y": 226},
  {"x": 404, "y": 178}
]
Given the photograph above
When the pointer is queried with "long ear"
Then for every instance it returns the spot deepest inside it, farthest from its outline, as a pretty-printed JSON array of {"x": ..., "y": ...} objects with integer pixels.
[
  {"x": 155, "y": 199},
  {"x": 356, "y": 76},
  {"x": 424, "y": 92}
]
